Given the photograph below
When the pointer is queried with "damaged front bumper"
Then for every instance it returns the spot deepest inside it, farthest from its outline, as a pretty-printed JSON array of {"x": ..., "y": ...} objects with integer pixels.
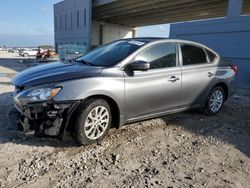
[{"x": 45, "y": 118}]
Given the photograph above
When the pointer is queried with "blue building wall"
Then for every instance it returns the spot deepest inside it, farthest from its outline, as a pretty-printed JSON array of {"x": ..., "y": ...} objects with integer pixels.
[{"x": 230, "y": 37}]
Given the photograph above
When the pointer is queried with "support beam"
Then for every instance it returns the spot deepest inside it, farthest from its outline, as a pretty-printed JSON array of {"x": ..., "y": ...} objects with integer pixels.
[
  {"x": 134, "y": 13},
  {"x": 246, "y": 7},
  {"x": 154, "y": 8},
  {"x": 101, "y": 2},
  {"x": 234, "y": 8},
  {"x": 170, "y": 12},
  {"x": 170, "y": 17}
]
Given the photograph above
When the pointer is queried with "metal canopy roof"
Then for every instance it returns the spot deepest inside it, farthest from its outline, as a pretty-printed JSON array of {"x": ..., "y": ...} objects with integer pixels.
[{"x": 148, "y": 12}]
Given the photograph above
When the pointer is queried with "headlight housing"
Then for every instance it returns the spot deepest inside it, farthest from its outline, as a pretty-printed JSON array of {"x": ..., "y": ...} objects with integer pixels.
[
  {"x": 43, "y": 94},
  {"x": 37, "y": 95}
]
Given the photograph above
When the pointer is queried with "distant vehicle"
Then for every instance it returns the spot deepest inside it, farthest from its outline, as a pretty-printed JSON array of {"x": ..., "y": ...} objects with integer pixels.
[
  {"x": 43, "y": 54},
  {"x": 28, "y": 53},
  {"x": 11, "y": 50},
  {"x": 122, "y": 82},
  {"x": 20, "y": 51}
]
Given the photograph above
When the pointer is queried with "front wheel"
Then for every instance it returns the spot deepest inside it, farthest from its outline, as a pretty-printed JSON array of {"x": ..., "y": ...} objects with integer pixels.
[
  {"x": 93, "y": 121},
  {"x": 215, "y": 101}
]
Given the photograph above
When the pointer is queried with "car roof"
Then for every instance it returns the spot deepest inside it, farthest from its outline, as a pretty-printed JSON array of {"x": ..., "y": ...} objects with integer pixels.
[
  {"x": 155, "y": 39},
  {"x": 146, "y": 39}
]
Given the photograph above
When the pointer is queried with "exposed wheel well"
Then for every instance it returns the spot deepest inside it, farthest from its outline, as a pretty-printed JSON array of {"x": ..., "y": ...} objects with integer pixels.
[
  {"x": 224, "y": 87},
  {"x": 113, "y": 106},
  {"x": 114, "y": 109}
]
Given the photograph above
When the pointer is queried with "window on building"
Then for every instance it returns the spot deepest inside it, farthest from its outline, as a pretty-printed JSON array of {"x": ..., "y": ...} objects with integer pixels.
[
  {"x": 60, "y": 22},
  {"x": 56, "y": 28},
  {"x": 66, "y": 26},
  {"x": 192, "y": 55},
  {"x": 85, "y": 17},
  {"x": 56, "y": 47},
  {"x": 159, "y": 56},
  {"x": 78, "y": 19},
  {"x": 71, "y": 20}
]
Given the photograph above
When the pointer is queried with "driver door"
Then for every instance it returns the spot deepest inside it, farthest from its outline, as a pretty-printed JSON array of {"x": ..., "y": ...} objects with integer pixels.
[{"x": 152, "y": 92}]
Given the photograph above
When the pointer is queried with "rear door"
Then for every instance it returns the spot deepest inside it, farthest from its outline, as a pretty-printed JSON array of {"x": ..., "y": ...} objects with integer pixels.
[
  {"x": 158, "y": 89},
  {"x": 198, "y": 73}
]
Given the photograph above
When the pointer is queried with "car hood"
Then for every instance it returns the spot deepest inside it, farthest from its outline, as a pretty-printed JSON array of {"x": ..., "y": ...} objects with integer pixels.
[{"x": 54, "y": 72}]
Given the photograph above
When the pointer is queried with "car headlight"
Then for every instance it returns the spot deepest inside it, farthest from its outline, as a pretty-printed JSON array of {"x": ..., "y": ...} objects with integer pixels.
[
  {"x": 37, "y": 95},
  {"x": 43, "y": 94}
]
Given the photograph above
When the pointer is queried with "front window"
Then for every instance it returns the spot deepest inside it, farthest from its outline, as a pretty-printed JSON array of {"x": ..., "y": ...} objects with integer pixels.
[
  {"x": 159, "y": 56},
  {"x": 111, "y": 54}
]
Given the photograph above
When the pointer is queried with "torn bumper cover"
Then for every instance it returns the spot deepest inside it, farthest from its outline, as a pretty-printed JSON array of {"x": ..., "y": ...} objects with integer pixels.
[{"x": 44, "y": 118}]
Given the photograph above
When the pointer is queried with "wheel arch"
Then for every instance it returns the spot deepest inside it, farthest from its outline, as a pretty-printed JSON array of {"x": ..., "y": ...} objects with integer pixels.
[
  {"x": 224, "y": 87},
  {"x": 115, "y": 111}
]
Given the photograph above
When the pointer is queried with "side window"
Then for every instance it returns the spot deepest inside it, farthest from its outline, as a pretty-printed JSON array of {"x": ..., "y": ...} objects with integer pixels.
[
  {"x": 211, "y": 55},
  {"x": 192, "y": 55},
  {"x": 159, "y": 56}
]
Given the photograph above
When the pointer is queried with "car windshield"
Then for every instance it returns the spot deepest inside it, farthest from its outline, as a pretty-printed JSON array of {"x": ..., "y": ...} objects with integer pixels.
[{"x": 110, "y": 54}]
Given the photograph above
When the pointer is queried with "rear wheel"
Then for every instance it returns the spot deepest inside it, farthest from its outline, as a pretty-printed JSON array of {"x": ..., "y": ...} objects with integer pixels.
[
  {"x": 93, "y": 121},
  {"x": 215, "y": 101}
]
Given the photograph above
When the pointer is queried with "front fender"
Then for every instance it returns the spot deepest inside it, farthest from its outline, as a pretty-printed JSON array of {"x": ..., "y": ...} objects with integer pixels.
[{"x": 80, "y": 89}]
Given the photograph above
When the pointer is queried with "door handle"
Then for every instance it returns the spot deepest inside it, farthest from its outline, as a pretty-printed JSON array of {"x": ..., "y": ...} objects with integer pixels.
[
  {"x": 210, "y": 74},
  {"x": 173, "y": 79}
]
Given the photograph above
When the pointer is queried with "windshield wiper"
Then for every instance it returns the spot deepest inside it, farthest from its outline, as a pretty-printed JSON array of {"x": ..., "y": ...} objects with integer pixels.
[{"x": 84, "y": 62}]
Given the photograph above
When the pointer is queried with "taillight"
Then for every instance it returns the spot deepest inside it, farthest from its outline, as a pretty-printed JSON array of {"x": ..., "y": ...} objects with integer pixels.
[{"x": 234, "y": 68}]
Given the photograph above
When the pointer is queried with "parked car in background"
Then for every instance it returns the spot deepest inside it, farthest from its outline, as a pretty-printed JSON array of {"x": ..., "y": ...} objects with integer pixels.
[
  {"x": 122, "y": 82},
  {"x": 20, "y": 51},
  {"x": 13, "y": 50},
  {"x": 28, "y": 52}
]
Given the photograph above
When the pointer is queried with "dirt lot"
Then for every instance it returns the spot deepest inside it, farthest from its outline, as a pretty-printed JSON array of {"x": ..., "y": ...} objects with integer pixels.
[{"x": 182, "y": 150}]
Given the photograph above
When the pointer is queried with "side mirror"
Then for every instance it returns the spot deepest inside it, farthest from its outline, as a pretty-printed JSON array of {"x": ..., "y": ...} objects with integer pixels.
[{"x": 140, "y": 66}]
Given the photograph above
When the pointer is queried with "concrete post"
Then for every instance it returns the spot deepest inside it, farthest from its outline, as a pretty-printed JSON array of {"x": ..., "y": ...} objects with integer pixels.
[
  {"x": 101, "y": 34},
  {"x": 134, "y": 33},
  {"x": 234, "y": 8}
]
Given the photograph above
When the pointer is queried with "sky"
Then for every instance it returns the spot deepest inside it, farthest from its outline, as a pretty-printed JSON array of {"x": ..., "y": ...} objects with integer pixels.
[{"x": 26, "y": 23}]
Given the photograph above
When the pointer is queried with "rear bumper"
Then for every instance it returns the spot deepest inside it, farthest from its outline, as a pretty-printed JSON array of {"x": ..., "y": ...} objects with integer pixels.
[{"x": 232, "y": 88}]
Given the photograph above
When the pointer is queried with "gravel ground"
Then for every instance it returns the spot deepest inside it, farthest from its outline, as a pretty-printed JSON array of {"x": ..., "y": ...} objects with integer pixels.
[{"x": 182, "y": 150}]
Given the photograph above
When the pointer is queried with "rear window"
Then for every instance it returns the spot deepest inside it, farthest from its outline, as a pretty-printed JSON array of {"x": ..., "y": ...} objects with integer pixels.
[
  {"x": 192, "y": 55},
  {"x": 211, "y": 55}
]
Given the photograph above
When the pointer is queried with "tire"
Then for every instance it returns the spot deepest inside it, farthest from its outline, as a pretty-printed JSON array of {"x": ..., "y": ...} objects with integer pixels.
[
  {"x": 25, "y": 55},
  {"x": 93, "y": 121},
  {"x": 215, "y": 101}
]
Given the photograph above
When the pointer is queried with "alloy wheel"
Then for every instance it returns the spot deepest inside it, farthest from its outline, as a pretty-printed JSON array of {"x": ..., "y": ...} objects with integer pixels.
[
  {"x": 216, "y": 101},
  {"x": 96, "y": 122}
]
